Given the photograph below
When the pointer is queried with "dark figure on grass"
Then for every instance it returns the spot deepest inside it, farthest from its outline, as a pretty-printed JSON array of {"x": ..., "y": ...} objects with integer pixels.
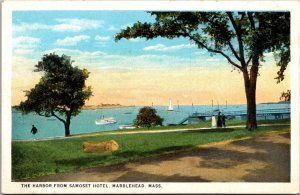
[
  {"x": 219, "y": 120},
  {"x": 223, "y": 121},
  {"x": 34, "y": 131}
]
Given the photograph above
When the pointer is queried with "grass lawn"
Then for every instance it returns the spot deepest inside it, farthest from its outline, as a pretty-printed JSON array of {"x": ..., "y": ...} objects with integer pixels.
[
  {"x": 203, "y": 124},
  {"x": 30, "y": 159}
]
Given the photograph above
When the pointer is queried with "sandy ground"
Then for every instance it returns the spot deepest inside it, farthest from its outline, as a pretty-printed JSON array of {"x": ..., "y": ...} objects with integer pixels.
[{"x": 264, "y": 158}]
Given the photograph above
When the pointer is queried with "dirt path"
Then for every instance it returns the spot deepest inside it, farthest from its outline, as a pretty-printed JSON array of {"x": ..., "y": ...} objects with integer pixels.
[{"x": 264, "y": 158}]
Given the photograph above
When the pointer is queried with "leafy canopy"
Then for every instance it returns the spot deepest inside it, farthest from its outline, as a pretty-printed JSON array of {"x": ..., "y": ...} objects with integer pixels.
[
  {"x": 147, "y": 117},
  {"x": 238, "y": 36},
  {"x": 61, "y": 89}
]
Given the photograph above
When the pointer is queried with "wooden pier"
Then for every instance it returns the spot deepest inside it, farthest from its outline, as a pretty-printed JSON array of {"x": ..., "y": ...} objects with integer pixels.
[{"x": 266, "y": 114}]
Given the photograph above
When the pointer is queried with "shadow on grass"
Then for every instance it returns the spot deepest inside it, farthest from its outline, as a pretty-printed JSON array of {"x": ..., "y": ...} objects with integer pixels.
[
  {"x": 82, "y": 161},
  {"x": 85, "y": 161}
]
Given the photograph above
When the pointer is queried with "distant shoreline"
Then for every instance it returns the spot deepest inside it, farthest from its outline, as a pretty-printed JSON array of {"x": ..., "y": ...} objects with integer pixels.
[
  {"x": 104, "y": 106},
  {"x": 108, "y": 106}
]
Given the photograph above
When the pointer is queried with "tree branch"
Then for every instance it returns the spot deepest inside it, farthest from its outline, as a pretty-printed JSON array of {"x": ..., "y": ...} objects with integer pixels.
[
  {"x": 239, "y": 37},
  {"x": 250, "y": 58},
  {"x": 251, "y": 20},
  {"x": 212, "y": 50},
  {"x": 53, "y": 114},
  {"x": 228, "y": 41},
  {"x": 42, "y": 114},
  {"x": 233, "y": 51}
]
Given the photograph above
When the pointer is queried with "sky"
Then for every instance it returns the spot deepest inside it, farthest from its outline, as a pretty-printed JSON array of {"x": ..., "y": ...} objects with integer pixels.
[{"x": 130, "y": 72}]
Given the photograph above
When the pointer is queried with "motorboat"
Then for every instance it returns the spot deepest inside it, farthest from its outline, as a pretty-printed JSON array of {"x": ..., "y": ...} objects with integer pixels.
[{"x": 105, "y": 121}]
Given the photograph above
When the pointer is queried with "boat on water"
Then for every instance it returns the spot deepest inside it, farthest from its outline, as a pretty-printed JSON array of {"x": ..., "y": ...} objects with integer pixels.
[
  {"x": 170, "y": 108},
  {"x": 126, "y": 127},
  {"x": 105, "y": 121}
]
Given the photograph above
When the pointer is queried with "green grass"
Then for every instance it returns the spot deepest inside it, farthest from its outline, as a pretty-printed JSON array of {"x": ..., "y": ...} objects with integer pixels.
[
  {"x": 191, "y": 126},
  {"x": 31, "y": 159}
]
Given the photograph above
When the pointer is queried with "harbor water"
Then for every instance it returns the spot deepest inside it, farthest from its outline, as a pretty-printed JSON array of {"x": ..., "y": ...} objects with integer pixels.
[{"x": 85, "y": 121}]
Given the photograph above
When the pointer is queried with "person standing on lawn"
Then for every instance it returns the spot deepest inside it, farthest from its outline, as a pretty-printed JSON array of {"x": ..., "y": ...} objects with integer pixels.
[
  {"x": 34, "y": 131},
  {"x": 223, "y": 121},
  {"x": 219, "y": 120}
]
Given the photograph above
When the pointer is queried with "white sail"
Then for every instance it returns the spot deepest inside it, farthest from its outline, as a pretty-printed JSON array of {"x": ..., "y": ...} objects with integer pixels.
[{"x": 170, "y": 108}]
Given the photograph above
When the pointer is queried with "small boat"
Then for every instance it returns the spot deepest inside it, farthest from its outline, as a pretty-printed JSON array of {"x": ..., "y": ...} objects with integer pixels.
[
  {"x": 105, "y": 121},
  {"x": 126, "y": 127},
  {"x": 170, "y": 108}
]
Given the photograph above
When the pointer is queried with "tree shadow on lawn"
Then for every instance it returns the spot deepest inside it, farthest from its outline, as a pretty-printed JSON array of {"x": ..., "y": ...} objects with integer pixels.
[{"x": 116, "y": 157}]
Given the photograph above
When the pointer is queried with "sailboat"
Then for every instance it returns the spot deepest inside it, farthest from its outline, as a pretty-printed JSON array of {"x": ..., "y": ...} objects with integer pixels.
[{"x": 170, "y": 108}]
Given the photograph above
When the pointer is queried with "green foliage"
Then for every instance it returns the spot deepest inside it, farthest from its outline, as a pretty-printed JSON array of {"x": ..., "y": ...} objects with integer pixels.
[
  {"x": 286, "y": 96},
  {"x": 30, "y": 159},
  {"x": 147, "y": 117},
  {"x": 254, "y": 32},
  {"x": 60, "y": 92}
]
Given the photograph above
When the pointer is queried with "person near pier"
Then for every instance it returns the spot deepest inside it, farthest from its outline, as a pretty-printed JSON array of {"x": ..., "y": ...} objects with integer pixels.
[
  {"x": 219, "y": 120},
  {"x": 223, "y": 121},
  {"x": 213, "y": 121}
]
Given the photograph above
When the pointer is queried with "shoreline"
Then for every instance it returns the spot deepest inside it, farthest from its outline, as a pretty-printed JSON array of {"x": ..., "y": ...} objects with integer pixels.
[
  {"x": 181, "y": 128},
  {"x": 94, "y": 107}
]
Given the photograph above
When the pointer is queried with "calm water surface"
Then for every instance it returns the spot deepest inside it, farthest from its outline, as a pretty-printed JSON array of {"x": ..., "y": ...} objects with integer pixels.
[{"x": 85, "y": 121}]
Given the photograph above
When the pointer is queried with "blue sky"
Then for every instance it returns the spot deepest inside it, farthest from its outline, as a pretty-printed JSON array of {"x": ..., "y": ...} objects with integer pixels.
[
  {"x": 35, "y": 32},
  {"x": 127, "y": 71}
]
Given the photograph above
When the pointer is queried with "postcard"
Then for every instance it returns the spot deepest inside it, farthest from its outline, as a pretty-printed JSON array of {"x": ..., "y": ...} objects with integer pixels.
[{"x": 126, "y": 97}]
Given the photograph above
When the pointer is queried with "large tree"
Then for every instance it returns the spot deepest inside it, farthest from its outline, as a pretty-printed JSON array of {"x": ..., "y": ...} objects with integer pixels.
[
  {"x": 60, "y": 93},
  {"x": 241, "y": 37}
]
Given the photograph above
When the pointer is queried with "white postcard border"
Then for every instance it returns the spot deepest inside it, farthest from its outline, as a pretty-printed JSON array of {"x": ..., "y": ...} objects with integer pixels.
[{"x": 180, "y": 187}]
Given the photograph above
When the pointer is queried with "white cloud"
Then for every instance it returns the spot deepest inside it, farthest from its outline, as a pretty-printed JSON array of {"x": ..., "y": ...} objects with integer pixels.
[
  {"x": 162, "y": 47},
  {"x": 23, "y": 51},
  {"x": 102, "y": 38},
  {"x": 103, "y": 60},
  {"x": 76, "y": 25},
  {"x": 126, "y": 25},
  {"x": 64, "y": 24},
  {"x": 71, "y": 41},
  {"x": 25, "y": 42},
  {"x": 74, "y": 52},
  {"x": 135, "y": 39},
  {"x": 30, "y": 26},
  {"x": 202, "y": 52},
  {"x": 112, "y": 28},
  {"x": 66, "y": 27},
  {"x": 215, "y": 59}
]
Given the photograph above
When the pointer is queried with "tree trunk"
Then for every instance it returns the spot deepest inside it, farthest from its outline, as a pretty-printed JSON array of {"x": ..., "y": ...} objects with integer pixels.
[
  {"x": 250, "y": 89},
  {"x": 67, "y": 125}
]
